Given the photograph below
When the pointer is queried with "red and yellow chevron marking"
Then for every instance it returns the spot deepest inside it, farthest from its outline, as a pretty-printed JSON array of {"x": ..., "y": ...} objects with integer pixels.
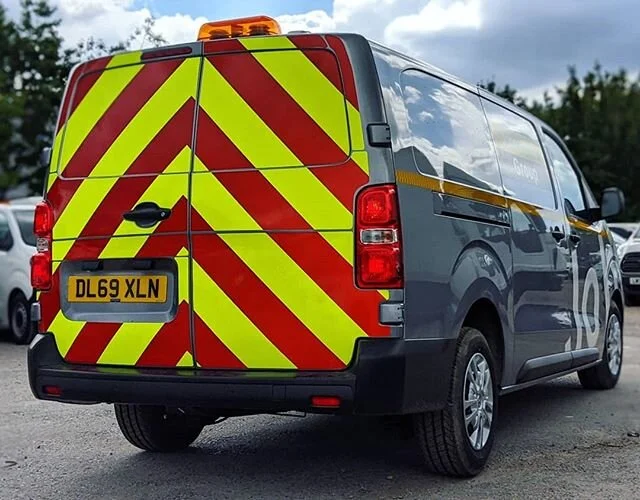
[{"x": 261, "y": 195}]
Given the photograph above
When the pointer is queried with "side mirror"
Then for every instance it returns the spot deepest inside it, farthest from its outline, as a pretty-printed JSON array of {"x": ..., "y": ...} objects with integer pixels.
[
  {"x": 45, "y": 157},
  {"x": 612, "y": 203}
]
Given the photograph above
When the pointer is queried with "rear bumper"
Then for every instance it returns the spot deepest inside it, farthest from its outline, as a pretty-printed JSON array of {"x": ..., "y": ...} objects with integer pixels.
[{"x": 388, "y": 377}]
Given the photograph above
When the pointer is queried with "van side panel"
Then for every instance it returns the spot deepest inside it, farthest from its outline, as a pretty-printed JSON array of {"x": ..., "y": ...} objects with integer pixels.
[{"x": 455, "y": 225}]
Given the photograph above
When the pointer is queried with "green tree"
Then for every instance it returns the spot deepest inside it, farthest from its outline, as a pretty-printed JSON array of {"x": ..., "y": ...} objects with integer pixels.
[
  {"x": 598, "y": 115},
  {"x": 34, "y": 65}
]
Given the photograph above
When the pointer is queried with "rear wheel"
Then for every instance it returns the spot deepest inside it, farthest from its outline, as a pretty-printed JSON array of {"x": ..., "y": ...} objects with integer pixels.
[
  {"x": 152, "y": 428},
  {"x": 605, "y": 375},
  {"x": 19, "y": 322},
  {"x": 457, "y": 441}
]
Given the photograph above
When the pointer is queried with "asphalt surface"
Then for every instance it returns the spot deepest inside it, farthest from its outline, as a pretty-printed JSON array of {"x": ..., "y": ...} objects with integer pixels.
[{"x": 554, "y": 441}]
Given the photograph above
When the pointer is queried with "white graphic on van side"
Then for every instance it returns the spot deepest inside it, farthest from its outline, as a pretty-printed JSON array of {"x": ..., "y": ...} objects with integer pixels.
[
  {"x": 524, "y": 171},
  {"x": 589, "y": 321}
]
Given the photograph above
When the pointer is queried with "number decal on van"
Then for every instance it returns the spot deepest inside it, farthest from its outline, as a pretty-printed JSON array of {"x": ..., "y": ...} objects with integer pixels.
[{"x": 582, "y": 314}]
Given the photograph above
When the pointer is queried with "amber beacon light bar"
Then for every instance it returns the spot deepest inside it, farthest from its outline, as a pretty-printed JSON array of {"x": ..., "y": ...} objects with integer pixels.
[{"x": 234, "y": 28}]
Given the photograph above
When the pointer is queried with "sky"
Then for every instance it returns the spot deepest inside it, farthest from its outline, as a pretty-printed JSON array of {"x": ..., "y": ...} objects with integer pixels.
[{"x": 525, "y": 43}]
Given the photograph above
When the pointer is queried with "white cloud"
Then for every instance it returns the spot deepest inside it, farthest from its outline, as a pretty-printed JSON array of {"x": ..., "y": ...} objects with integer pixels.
[
  {"x": 525, "y": 44},
  {"x": 436, "y": 16},
  {"x": 315, "y": 21}
]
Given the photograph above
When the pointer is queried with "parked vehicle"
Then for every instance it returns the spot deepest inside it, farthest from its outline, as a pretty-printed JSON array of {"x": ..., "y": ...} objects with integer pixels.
[
  {"x": 260, "y": 222},
  {"x": 17, "y": 245},
  {"x": 624, "y": 229}
]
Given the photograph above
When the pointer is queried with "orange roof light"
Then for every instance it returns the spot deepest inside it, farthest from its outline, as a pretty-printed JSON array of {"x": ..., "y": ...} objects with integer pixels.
[{"x": 232, "y": 28}]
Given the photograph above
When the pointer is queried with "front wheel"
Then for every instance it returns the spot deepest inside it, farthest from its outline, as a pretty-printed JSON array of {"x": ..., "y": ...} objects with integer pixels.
[
  {"x": 457, "y": 441},
  {"x": 605, "y": 375},
  {"x": 152, "y": 428}
]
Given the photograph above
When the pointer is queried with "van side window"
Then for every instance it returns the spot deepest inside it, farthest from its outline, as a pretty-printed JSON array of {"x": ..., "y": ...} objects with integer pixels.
[
  {"x": 6, "y": 240},
  {"x": 525, "y": 175},
  {"x": 448, "y": 132},
  {"x": 566, "y": 175}
]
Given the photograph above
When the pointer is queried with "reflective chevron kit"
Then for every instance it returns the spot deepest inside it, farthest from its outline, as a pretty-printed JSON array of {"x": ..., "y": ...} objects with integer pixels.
[{"x": 221, "y": 229}]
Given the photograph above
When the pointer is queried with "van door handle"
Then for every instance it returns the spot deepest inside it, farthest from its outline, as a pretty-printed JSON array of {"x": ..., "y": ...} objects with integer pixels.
[
  {"x": 147, "y": 214},
  {"x": 575, "y": 238},
  {"x": 558, "y": 234}
]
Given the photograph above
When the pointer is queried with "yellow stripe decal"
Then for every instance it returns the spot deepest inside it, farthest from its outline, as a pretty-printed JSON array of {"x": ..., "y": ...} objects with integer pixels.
[
  {"x": 122, "y": 153},
  {"x": 277, "y": 270},
  {"x": 103, "y": 93},
  {"x": 186, "y": 361},
  {"x": 65, "y": 332},
  {"x": 232, "y": 327},
  {"x": 128, "y": 344}
]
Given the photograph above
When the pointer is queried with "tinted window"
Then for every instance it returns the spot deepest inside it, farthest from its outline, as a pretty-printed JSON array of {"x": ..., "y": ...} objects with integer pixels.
[
  {"x": 6, "y": 241},
  {"x": 566, "y": 175},
  {"x": 25, "y": 223},
  {"x": 448, "y": 132},
  {"x": 524, "y": 171}
]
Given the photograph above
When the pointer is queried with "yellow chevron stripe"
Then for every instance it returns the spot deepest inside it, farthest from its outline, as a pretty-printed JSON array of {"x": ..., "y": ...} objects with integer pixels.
[
  {"x": 278, "y": 271},
  {"x": 128, "y": 344},
  {"x": 65, "y": 332},
  {"x": 123, "y": 152},
  {"x": 257, "y": 142},
  {"x": 232, "y": 327},
  {"x": 166, "y": 190},
  {"x": 103, "y": 93},
  {"x": 186, "y": 361},
  {"x": 311, "y": 89}
]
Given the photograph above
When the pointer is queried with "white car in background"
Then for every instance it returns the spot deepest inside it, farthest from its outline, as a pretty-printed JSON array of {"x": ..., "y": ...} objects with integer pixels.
[{"x": 17, "y": 245}]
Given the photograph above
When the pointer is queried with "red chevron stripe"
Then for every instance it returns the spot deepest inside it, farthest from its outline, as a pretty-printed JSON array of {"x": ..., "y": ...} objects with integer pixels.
[
  {"x": 210, "y": 351},
  {"x": 170, "y": 343},
  {"x": 109, "y": 127},
  {"x": 326, "y": 63},
  {"x": 346, "y": 69},
  {"x": 50, "y": 303},
  {"x": 91, "y": 342},
  {"x": 80, "y": 82},
  {"x": 272, "y": 212},
  {"x": 261, "y": 306},
  {"x": 291, "y": 123}
]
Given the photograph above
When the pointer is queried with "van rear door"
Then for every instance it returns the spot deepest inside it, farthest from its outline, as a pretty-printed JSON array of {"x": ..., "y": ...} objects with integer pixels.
[
  {"x": 279, "y": 157},
  {"x": 119, "y": 188}
]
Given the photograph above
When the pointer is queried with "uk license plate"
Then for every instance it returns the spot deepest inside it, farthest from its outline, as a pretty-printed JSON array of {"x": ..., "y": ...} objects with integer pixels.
[
  {"x": 634, "y": 281},
  {"x": 118, "y": 288}
]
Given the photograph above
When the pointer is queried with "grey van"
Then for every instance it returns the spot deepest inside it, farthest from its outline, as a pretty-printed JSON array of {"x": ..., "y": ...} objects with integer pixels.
[{"x": 345, "y": 230}]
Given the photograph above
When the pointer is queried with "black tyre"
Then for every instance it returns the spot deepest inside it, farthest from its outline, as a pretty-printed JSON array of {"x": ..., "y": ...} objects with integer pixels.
[
  {"x": 19, "y": 319},
  {"x": 457, "y": 441},
  {"x": 151, "y": 428},
  {"x": 605, "y": 375}
]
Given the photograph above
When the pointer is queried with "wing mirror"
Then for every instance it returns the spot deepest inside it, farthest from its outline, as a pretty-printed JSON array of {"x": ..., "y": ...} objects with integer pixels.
[
  {"x": 45, "y": 157},
  {"x": 612, "y": 203}
]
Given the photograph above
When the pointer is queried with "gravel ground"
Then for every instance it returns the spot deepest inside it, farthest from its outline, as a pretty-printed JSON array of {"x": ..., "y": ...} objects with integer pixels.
[{"x": 555, "y": 441}]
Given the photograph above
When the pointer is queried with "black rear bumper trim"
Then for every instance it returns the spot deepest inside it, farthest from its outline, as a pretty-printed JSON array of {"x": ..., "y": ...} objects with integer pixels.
[{"x": 388, "y": 376}]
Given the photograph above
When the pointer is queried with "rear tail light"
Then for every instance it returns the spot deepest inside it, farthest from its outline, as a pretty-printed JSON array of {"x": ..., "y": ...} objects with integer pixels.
[
  {"x": 378, "y": 242},
  {"x": 41, "y": 270}
]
